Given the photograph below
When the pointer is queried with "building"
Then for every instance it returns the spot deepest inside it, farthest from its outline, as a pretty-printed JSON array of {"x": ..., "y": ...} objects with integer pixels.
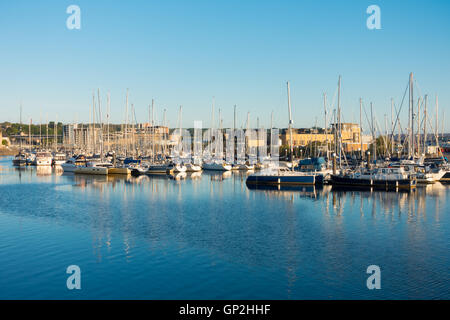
[
  {"x": 78, "y": 135},
  {"x": 304, "y": 136},
  {"x": 350, "y": 135}
]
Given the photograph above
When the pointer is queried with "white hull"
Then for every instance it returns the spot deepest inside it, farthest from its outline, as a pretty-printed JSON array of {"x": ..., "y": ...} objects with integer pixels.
[
  {"x": 193, "y": 168},
  {"x": 43, "y": 162},
  {"x": 68, "y": 167},
  {"x": 216, "y": 166},
  {"x": 177, "y": 169},
  {"x": 92, "y": 170}
]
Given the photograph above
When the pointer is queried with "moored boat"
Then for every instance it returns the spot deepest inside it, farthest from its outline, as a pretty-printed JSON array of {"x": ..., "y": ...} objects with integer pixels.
[
  {"x": 176, "y": 168},
  {"x": 216, "y": 166},
  {"x": 59, "y": 159},
  {"x": 381, "y": 178},
  {"x": 281, "y": 176},
  {"x": 71, "y": 164},
  {"x": 44, "y": 159},
  {"x": 19, "y": 160},
  {"x": 93, "y": 168},
  {"x": 190, "y": 167},
  {"x": 160, "y": 168},
  {"x": 119, "y": 170}
]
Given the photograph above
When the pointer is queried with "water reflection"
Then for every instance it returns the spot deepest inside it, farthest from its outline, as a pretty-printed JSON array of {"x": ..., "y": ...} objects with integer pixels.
[{"x": 284, "y": 235}]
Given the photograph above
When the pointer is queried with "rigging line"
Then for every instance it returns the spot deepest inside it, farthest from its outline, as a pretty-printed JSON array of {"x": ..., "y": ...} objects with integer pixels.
[
  {"x": 401, "y": 106},
  {"x": 399, "y": 124},
  {"x": 367, "y": 118},
  {"x": 334, "y": 99}
]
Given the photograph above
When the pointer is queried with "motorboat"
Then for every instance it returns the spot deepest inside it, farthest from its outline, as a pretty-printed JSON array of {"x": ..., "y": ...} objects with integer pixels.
[
  {"x": 20, "y": 160},
  {"x": 59, "y": 159},
  {"x": 72, "y": 163},
  {"x": 43, "y": 158},
  {"x": 216, "y": 166},
  {"x": 94, "y": 168}
]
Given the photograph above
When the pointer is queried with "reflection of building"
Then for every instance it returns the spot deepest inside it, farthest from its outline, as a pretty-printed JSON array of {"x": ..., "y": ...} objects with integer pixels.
[{"x": 350, "y": 134}]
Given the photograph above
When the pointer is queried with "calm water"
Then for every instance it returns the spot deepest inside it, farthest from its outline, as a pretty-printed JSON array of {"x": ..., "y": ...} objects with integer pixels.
[{"x": 210, "y": 237}]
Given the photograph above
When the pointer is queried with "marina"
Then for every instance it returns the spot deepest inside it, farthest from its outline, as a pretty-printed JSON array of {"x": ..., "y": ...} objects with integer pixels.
[{"x": 225, "y": 155}]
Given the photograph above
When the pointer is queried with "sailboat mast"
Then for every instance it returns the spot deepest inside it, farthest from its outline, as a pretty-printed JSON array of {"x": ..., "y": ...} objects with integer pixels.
[
  {"x": 374, "y": 136},
  {"x": 326, "y": 122},
  {"x": 418, "y": 125},
  {"x": 20, "y": 127},
  {"x": 360, "y": 127},
  {"x": 101, "y": 123},
  {"x": 29, "y": 134},
  {"x": 411, "y": 117},
  {"x": 339, "y": 122},
  {"x": 55, "y": 129},
  {"x": 126, "y": 126},
  {"x": 40, "y": 129},
  {"x": 164, "y": 133},
  {"x": 392, "y": 126},
  {"x": 107, "y": 119},
  {"x": 93, "y": 122},
  {"x": 290, "y": 125},
  {"x": 425, "y": 125},
  {"x": 437, "y": 120},
  {"x": 153, "y": 130}
]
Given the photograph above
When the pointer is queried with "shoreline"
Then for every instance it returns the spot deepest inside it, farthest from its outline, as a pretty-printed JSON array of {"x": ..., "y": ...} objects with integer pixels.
[{"x": 8, "y": 151}]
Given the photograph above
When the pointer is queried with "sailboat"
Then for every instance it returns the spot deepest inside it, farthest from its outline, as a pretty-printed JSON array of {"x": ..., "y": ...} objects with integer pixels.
[
  {"x": 20, "y": 160},
  {"x": 94, "y": 168},
  {"x": 282, "y": 175},
  {"x": 216, "y": 166},
  {"x": 191, "y": 167}
]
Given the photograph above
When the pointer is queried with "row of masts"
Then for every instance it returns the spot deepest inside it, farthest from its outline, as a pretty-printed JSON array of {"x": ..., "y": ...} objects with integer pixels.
[{"x": 130, "y": 143}]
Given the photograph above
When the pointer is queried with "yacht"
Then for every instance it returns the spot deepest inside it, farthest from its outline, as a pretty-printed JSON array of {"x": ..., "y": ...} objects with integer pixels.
[
  {"x": 281, "y": 176},
  {"x": 20, "y": 160},
  {"x": 191, "y": 167},
  {"x": 95, "y": 168},
  {"x": 160, "y": 168},
  {"x": 384, "y": 178},
  {"x": 71, "y": 164},
  {"x": 44, "y": 158},
  {"x": 176, "y": 168},
  {"x": 59, "y": 159},
  {"x": 217, "y": 166},
  {"x": 246, "y": 167}
]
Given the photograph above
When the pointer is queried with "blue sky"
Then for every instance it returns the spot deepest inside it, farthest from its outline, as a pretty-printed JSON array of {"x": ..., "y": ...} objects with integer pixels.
[{"x": 240, "y": 52}]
